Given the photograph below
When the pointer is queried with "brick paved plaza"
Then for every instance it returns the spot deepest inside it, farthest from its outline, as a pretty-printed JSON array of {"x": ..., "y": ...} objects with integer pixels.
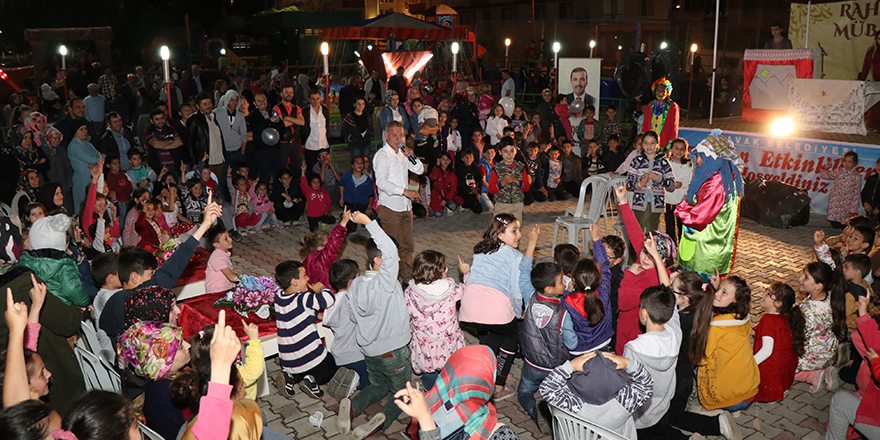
[{"x": 763, "y": 256}]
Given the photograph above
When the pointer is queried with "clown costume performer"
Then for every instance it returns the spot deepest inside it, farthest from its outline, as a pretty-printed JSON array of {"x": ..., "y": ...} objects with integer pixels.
[
  {"x": 661, "y": 115},
  {"x": 711, "y": 214}
]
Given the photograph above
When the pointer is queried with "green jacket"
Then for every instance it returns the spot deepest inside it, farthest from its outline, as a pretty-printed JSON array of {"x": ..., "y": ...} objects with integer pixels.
[
  {"x": 59, "y": 322},
  {"x": 60, "y": 272}
]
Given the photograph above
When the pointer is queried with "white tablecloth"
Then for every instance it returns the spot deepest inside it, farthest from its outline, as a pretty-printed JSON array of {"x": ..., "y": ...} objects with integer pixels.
[{"x": 832, "y": 106}]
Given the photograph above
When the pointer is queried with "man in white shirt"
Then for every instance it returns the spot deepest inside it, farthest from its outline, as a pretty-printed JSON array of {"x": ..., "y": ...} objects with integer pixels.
[
  {"x": 508, "y": 89},
  {"x": 316, "y": 127},
  {"x": 392, "y": 164}
]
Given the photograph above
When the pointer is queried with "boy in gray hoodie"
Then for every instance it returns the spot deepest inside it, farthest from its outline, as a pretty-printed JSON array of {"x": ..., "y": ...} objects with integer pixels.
[
  {"x": 656, "y": 349},
  {"x": 378, "y": 309}
]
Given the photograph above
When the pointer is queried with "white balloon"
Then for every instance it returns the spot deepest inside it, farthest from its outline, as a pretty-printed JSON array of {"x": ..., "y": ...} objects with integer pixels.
[{"x": 507, "y": 104}]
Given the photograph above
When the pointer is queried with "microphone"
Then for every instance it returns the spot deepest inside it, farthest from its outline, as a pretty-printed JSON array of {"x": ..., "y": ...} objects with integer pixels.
[{"x": 412, "y": 159}]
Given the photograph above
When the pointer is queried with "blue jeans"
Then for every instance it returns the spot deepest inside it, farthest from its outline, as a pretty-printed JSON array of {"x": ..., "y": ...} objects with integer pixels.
[
  {"x": 360, "y": 367},
  {"x": 359, "y": 150},
  {"x": 486, "y": 202},
  {"x": 529, "y": 382},
  {"x": 739, "y": 406},
  {"x": 450, "y": 204}
]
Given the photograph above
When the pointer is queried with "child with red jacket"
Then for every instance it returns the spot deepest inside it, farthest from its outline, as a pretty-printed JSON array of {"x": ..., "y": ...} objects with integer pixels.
[
  {"x": 318, "y": 204},
  {"x": 319, "y": 250},
  {"x": 444, "y": 186}
]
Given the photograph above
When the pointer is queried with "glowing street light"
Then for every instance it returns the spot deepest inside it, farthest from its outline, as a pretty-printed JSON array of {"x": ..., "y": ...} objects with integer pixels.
[
  {"x": 693, "y": 47},
  {"x": 663, "y": 45},
  {"x": 691, "y": 86},
  {"x": 556, "y": 48},
  {"x": 369, "y": 47},
  {"x": 223, "y": 51},
  {"x": 454, "y": 49},
  {"x": 325, "y": 51},
  {"x": 506, "y": 53},
  {"x": 63, "y": 51},
  {"x": 165, "y": 54},
  {"x": 592, "y": 46}
]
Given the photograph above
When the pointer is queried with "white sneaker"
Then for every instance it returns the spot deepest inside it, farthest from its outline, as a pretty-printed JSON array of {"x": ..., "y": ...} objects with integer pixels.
[
  {"x": 374, "y": 426},
  {"x": 729, "y": 429},
  {"x": 448, "y": 211}
]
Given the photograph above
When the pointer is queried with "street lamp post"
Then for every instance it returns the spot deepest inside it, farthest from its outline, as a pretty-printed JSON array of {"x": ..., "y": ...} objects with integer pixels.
[
  {"x": 165, "y": 54},
  {"x": 63, "y": 51},
  {"x": 325, "y": 51},
  {"x": 592, "y": 46},
  {"x": 454, "y": 67},
  {"x": 691, "y": 87},
  {"x": 556, "y": 48},
  {"x": 507, "y": 53}
]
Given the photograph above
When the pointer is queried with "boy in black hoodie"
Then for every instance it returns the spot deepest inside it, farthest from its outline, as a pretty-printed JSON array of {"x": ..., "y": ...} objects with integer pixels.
[{"x": 470, "y": 183}]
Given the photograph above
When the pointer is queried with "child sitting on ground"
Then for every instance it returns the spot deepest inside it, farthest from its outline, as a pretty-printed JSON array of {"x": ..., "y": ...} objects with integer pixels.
[
  {"x": 320, "y": 249},
  {"x": 219, "y": 275},
  {"x": 544, "y": 346},
  {"x": 593, "y": 387},
  {"x": 288, "y": 200},
  {"x": 824, "y": 311},
  {"x": 537, "y": 192},
  {"x": 318, "y": 204},
  {"x": 554, "y": 176},
  {"x": 245, "y": 217},
  {"x": 194, "y": 198},
  {"x": 357, "y": 190},
  {"x": 444, "y": 188},
  {"x": 431, "y": 299},
  {"x": 264, "y": 207},
  {"x": 487, "y": 164},
  {"x": 779, "y": 340},
  {"x": 381, "y": 320},
  {"x": 721, "y": 347},
  {"x": 304, "y": 359},
  {"x": 250, "y": 368}
]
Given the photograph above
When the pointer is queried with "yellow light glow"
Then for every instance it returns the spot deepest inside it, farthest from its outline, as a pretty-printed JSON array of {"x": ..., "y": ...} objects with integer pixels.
[
  {"x": 507, "y": 42},
  {"x": 782, "y": 127},
  {"x": 694, "y": 47},
  {"x": 592, "y": 44},
  {"x": 325, "y": 48},
  {"x": 62, "y": 50},
  {"x": 165, "y": 53},
  {"x": 455, "y": 47},
  {"x": 556, "y": 47}
]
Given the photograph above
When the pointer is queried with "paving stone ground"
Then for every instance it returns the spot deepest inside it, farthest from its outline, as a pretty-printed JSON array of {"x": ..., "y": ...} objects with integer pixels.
[{"x": 763, "y": 255}]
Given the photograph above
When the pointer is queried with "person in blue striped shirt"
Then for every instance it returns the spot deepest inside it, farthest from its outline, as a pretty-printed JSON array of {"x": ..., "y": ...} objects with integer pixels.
[{"x": 304, "y": 359}]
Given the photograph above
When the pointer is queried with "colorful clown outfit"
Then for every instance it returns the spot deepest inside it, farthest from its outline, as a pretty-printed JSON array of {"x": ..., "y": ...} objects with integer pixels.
[
  {"x": 711, "y": 214},
  {"x": 662, "y": 116}
]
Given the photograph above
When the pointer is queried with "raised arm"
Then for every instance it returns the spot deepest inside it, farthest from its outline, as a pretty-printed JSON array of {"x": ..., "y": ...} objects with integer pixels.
[{"x": 15, "y": 379}]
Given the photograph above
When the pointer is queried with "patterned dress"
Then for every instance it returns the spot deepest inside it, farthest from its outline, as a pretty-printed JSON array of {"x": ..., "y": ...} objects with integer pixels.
[
  {"x": 821, "y": 344},
  {"x": 843, "y": 200},
  {"x": 434, "y": 323}
]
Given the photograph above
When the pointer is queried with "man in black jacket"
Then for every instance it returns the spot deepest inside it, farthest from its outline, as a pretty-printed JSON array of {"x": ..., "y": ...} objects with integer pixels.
[
  {"x": 117, "y": 140},
  {"x": 205, "y": 138},
  {"x": 267, "y": 158}
]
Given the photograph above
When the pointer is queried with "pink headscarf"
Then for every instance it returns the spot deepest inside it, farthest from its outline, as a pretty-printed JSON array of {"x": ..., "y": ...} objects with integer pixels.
[
  {"x": 411, "y": 94},
  {"x": 30, "y": 123}
]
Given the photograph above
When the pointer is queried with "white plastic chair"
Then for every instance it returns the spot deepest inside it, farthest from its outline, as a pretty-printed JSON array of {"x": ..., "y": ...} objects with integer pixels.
[
  {"x": 147, "y": 433},
  {"x": 91, "y": 339},
  {"x": 96, "y": 373},
  {"x": 602, "y": 204},
  {"x": 568, "y": 426}
]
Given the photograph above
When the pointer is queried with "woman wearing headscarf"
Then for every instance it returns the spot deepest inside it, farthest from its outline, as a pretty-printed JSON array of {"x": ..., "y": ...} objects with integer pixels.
[
  {"x": 50, "y": 98},
  {"x": 393, "y": 111},
  {"x": 36, "y": 123},
  {"x": 16, "y": 122},
  {"x": 411, "y": 93},
  {"x": 52, "y": 197},
  {"x": 156, "y": 351},
  {"x": 459, "y": 403},
  {"x": 27, "y": 153},
  {"x": 28, "y": 191}
]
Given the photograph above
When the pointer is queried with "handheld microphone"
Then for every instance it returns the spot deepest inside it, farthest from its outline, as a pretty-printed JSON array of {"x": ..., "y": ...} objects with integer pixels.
[{"x": 412, "y": 159}]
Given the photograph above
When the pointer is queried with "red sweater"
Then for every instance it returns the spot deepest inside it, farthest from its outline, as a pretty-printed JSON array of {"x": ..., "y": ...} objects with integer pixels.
[
  {"x": 119, "y": 183},
  {"x": 318, "y": 202},
  {"x": 318, "y": 263},
  {"x": 632, "y": 285},
  {"x": 868, "y": 336},
  {"x": 444, "y": 187}
]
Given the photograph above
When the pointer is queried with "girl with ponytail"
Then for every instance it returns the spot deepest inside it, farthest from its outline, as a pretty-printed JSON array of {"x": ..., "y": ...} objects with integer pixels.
[{"x": 824, "y": 311}]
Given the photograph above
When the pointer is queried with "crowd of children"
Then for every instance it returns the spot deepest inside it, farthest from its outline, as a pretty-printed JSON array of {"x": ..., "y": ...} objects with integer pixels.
[{"x": 621, "y": 344}]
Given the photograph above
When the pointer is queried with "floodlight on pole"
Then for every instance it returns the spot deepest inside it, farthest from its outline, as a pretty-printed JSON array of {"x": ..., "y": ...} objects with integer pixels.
[
  {"x": 325, "y": 51},
  {"x": 165, "y": 54},
  {"x": 454, "y": 49},
  {"x": 63, "y": 51},
  {"x": 507, "y": 53},
  {"x": 556, "y": 48},
  {"x": 592, "y": 46},
  {"x": 663, "y": 45}
]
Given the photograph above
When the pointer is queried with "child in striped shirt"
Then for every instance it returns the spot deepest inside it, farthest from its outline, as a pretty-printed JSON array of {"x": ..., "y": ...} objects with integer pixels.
[{"x": 304, "y": 359}]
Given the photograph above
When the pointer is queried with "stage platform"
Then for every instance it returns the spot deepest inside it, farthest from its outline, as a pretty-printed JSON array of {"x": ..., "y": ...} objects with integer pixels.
[{"x": 736, "y": 124}]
